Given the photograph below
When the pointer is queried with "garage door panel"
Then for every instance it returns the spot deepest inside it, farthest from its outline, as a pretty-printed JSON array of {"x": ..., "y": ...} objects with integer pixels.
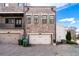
[{"x": 40, "y": 39}]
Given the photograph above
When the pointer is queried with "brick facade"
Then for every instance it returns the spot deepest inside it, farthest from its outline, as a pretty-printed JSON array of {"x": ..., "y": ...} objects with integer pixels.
[{"x": 40, "y": 27}]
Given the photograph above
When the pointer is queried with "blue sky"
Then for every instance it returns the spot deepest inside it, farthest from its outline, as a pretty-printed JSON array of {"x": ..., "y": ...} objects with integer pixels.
[{"x": 68, "y": 14}]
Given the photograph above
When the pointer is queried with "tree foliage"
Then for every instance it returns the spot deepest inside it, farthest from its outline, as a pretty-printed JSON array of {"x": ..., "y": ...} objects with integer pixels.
[{"x": 68, "y": 36}]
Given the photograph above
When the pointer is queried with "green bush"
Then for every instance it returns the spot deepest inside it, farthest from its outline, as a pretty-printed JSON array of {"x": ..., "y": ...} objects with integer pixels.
[
  {"x": 68, "y": 36},
  {"x": 71, "y": 42}
]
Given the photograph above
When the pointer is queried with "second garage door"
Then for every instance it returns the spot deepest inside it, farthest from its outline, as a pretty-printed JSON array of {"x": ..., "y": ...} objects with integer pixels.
[
  {"x": 39, "y": 39},
  {"x": 11, "y": 38}
]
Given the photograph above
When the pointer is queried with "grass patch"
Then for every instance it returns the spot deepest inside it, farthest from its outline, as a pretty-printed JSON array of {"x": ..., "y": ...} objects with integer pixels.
[{"x": 71, "y": 42}]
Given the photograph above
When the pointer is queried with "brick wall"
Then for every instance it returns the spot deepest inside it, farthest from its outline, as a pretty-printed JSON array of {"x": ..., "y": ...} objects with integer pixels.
[{"x": 40, "y": 28}]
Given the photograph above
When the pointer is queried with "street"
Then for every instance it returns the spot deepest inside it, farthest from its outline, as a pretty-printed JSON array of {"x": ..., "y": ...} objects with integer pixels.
[{"x": 39, "y": 50}]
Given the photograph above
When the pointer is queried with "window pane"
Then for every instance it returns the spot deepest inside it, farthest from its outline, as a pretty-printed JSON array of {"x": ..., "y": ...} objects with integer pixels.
[
  {"x": 28, "y": 19},
  {"x": 12, "y": 21},
  {"x": 9, "y": 20},
  {"x": 6, "y": 5},
  {"x": 51, "y": 16},
  {"x": 20, "y": 4},
  {"x": 36, "y": 19},
  {"x": 6, "y": 21},
  {"x": 16, "y": 21},
  {"x": 25, "y": 4},
  {"x": 44, "y": 19},
  {"x": 51, "y": 20},
  {"x": 20, "y": 21}
]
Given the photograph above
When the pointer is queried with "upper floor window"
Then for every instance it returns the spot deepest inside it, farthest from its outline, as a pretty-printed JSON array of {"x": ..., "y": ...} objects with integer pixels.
[
  {"x": 20, "y": 4},
  {"x": 6, "y": 4},
  {"x": 36, "y": 19},
  {"x": 25, "y": 4},
  {"x": 51, "y": 20},
  {"x": 28, "y": 19},
  {"x": 44, "y": 19},
  {"x": 9, "y": 20}
]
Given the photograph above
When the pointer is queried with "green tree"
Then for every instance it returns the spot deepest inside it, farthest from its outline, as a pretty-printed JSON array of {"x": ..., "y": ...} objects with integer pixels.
[{"x": 68, "y": 36}]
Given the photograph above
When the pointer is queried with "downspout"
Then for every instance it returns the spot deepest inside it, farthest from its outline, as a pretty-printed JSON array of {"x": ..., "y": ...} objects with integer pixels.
[
  {"x": 54, "y": 40},
  {"x": 55, "y": 25},
  {"x": 25, "y": 9}
]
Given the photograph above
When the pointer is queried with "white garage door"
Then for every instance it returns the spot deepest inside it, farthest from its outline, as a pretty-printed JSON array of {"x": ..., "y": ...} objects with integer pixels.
[
  {"x": 9, "y": 38},
  {"x": 40, "y": 39}
]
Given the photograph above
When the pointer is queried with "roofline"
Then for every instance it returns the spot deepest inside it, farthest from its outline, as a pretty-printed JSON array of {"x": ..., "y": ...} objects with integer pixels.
[
  {"x": 42, "y": 6},
  {"x": 11, "y": 12}
]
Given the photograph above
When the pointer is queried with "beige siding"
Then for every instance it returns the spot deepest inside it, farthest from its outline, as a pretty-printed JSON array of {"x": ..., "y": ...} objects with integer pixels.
[
  {"x": 10, "y": 36},
  {"x": 13, "y": 7}
]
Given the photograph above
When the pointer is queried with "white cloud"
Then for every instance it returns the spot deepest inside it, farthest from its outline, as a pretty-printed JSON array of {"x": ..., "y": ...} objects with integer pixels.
[
  {"x": 71, "y": 20},
  {"x": 53, "y": 1},
  {"x": 58, "y": 5},
  {"x": 48, "y": 3},
  {"x": 64, "y": 6},
  {"x": 77, "y": 31}
]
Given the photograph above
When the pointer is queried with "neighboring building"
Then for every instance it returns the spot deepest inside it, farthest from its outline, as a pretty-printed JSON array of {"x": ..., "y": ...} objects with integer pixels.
[
  {"x": 77, "y": 34},
  {"x": 39, "y": 23},
  {"x": 60, "y": 32}
]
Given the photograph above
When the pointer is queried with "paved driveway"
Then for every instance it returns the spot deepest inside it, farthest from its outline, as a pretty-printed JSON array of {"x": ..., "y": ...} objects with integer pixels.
[{"x": 38, "y": 50}]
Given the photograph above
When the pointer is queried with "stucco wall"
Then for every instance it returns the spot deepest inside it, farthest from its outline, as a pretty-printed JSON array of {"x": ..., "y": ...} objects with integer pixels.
[
  {"x": 13, "y": 7},
  {"x": 60, "y": 33},
  {"x": 10, "y": 36}
]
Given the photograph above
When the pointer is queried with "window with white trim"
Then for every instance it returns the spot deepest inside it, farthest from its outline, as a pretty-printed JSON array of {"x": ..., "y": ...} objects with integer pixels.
[
  {"x": 6, "y": 4},
  {"x": 9, "y": 20},
  {"x": 20, "y": 4},
  {"x": 28, "y": 19},
  {"x": 51, "y": 19},
  {"x": 44, "y": 19},
  {"x": 36, "y": 19}
]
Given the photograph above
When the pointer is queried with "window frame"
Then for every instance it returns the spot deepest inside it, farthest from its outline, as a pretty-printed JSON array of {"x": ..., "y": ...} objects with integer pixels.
[
  {"x": 28, "y": 21},
  {"x": 9, "y": 20},
  {"x": 51, "y": 20},
  {"x": 6, "y": 4},
  {"x": 19, "y": 21},
  {"x": 43, "y": 20},
  {"x": 20, "y": 4},
  {"x": 36, "y": 21}
]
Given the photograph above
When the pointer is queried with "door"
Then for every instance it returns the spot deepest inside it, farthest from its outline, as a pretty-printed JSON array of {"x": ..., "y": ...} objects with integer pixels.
[
  {"x": 40, "y": 39},
  {"x": 18, "y": 22}
]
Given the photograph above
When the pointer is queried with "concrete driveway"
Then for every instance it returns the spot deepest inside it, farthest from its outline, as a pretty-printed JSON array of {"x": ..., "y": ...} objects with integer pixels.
[{"x": 39, "y": 50}]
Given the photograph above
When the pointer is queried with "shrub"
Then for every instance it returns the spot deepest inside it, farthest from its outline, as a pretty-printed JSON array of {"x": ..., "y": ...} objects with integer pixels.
[
  {"x": 71, "y": 42},
  {"x": 68, "y": 36}
]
